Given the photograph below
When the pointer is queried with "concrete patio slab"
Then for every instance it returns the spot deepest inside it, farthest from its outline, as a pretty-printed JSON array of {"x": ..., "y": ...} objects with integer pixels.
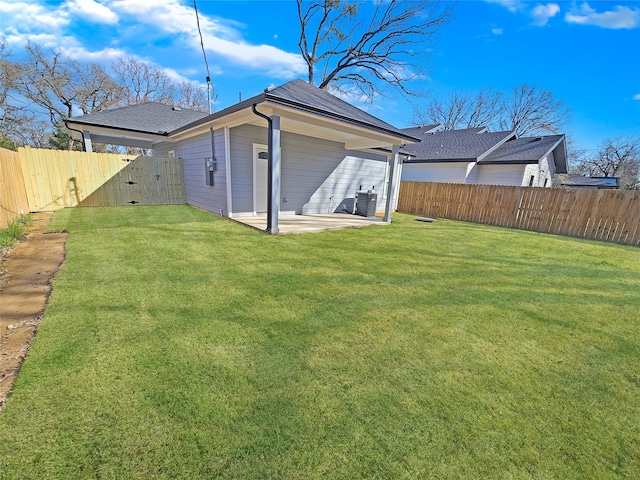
[{"x": 289, "y": 224}]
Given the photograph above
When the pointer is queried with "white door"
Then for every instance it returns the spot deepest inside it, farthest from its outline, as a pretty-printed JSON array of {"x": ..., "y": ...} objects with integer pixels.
[{"x": 260, "y": 178}]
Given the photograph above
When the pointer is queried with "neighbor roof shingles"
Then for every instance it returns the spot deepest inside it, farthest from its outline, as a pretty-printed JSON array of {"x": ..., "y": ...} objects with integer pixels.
[
  {"x": 523, "y": 150},
  {"x": 452, "y": 145}
]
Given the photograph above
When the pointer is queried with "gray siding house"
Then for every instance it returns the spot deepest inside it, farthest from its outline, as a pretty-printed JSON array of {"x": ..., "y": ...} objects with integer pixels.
[
  {"x": 477, "y": 156},
  {"x": 294, "y": 149}
]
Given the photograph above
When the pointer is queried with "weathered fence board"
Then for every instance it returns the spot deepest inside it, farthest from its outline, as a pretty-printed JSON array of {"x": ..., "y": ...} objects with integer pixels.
[
  {"x": 13, "y": 196},
  {"x": 606, "y": 215}
]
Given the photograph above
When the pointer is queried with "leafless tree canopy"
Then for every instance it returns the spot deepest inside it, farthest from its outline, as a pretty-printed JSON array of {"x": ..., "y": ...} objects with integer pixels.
[
  {"x": 530, "y": 111},
  {"x": 60, "y": 86},
  {"x": 527, "y": 110},
  {"x": 461, "y": 111},
  {"x": 49, "y": 85},
  {"x": 349, "y": 49},
  {"x": 619, "y": 158},
  {"x": 11, "y": 114},
  {"x": 142, "y": 82}
]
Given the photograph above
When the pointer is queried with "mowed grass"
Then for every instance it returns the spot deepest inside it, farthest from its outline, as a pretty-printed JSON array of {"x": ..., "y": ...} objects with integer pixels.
[{"x": 177, "y": 344}]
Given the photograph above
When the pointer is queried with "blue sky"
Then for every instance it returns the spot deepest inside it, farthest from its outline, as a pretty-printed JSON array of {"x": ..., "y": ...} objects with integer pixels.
[{"x": 586, "y": 53}]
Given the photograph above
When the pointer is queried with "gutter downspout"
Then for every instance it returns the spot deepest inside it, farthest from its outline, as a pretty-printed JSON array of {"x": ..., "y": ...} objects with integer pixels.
[
  {"x": 84, "y": 147},
  {"x": 269, "y": 166}
]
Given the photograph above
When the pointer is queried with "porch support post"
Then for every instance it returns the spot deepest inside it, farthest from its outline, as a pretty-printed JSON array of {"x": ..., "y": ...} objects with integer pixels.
[
  {"x": 274, "y": 175},
  {"x": 227, "y": 169},
  {"x": 87, "y": 141},
  {"x": 392, "y": 188}
]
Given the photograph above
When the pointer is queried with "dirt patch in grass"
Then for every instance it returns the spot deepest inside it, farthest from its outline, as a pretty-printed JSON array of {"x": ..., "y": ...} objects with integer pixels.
[{"x": 26, "y": 272}]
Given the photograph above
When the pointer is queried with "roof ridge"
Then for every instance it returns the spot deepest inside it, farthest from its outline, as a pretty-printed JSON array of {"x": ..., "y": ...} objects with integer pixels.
[{"x": 497, "y": 145}]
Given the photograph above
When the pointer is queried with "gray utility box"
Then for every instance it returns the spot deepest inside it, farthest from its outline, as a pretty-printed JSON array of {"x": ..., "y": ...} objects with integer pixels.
[{"x": 366, "y": 204}]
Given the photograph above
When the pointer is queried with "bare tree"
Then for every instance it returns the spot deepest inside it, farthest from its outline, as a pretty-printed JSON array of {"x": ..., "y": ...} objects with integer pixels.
[
  {"x": 31, "y": 131},
  {"x": 11, "y": 112},
  {"x": 49, "y": 85},
  {"x": 142, "y": 82},
  {"x": 96, "y": 89},
  {"x": 527, "y": 111},
  {"x": 192, "y": 96},
  {"x": 461, "y": 111},
  {"x": 530, "y": 111},
  {"x": 347, "y": 49},
  {"x": 59, "y": 85},
  {"x": 619, "y": 158},
  {"x": 8, "y": 76}
]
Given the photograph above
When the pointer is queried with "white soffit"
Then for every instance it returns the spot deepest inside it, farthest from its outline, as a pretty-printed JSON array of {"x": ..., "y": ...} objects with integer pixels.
[{"x": 292, "y": 120}]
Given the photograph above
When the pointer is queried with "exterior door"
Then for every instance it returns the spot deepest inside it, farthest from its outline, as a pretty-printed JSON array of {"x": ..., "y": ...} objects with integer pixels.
[{"x": 260, "y": 178}]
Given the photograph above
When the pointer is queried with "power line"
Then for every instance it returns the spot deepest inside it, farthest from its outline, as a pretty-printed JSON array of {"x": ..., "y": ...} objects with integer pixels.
[{"x": 204, "y": 54}]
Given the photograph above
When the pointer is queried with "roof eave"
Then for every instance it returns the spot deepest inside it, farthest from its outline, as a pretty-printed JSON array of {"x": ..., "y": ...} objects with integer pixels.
[
  {"x": 508, "y": 162},
  {"x": 307, "y": 108},
  {"x": 441, "y": 160},
  {"x": 74, "y": 123}
]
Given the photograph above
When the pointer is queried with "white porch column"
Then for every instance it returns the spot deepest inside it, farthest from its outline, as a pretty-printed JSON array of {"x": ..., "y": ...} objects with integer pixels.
[
  {"x": 276, "y": 156},
  {"x": 88, "y": 147},
  {"x": 394, "y": 182}
]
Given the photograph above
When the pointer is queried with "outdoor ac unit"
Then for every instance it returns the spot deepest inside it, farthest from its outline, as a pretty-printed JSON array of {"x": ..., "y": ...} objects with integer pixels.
[{"x": 366, "y": 204}]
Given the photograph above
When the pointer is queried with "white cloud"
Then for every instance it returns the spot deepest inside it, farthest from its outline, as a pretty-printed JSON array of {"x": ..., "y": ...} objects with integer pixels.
[
  {"x": 542, "y": 13},
  {"x": 30, "y": 17},
  {"x": 279, "y": 63},
  {"x": 219, "y": 38},
  {"x": 618, "y": 18},
  {"x": 52, "y": 26},
  {"x": 497, "y": 31},
  {"x": 636, "y": 97},
  {"x": 171, "y": 16},
  {"x": 511, "y": 5},
  {"x": 92, "y": 11},
  {"x": 78, "y": 52},
  {"x": 47, "y": 40}
]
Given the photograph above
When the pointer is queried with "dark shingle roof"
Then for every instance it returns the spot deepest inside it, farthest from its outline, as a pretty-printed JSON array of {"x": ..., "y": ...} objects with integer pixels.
[
  {"x": 420, "y": 131},
  {"x": 157, "y": 118},
  {"x": 300, "y": 95},
  {"x": 523, "y": 150},
  {"x": 151, "y": 117},
  {"x": 454, "y": 145}
]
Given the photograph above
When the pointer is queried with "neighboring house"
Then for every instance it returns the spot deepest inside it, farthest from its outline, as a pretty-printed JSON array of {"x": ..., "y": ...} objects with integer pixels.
[
  {"x": 477, "y": 156},
  {"x": 293, "y": 149},
  {"x": 580, "y": 181}
]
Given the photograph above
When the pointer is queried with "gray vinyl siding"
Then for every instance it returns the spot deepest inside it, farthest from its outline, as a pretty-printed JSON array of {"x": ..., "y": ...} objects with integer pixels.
[
  {"x": 193, "y": 152},
  {"x": 317, "y": 176},
  {"x": 454, "y": 172},
  {"x": 241, "y": 140},
  {"x": 512, "y": 175}
]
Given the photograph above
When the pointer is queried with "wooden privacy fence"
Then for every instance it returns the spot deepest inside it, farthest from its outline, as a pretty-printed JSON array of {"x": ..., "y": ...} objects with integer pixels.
[
  {"x": 606, "y": 215},
  {"x": 13, "y": 196},
  {"x": 53, "y": 179}
]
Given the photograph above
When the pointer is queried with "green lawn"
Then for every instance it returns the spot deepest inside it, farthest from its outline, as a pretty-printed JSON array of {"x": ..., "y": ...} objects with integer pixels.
[{"x": 177, "y": 344}]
